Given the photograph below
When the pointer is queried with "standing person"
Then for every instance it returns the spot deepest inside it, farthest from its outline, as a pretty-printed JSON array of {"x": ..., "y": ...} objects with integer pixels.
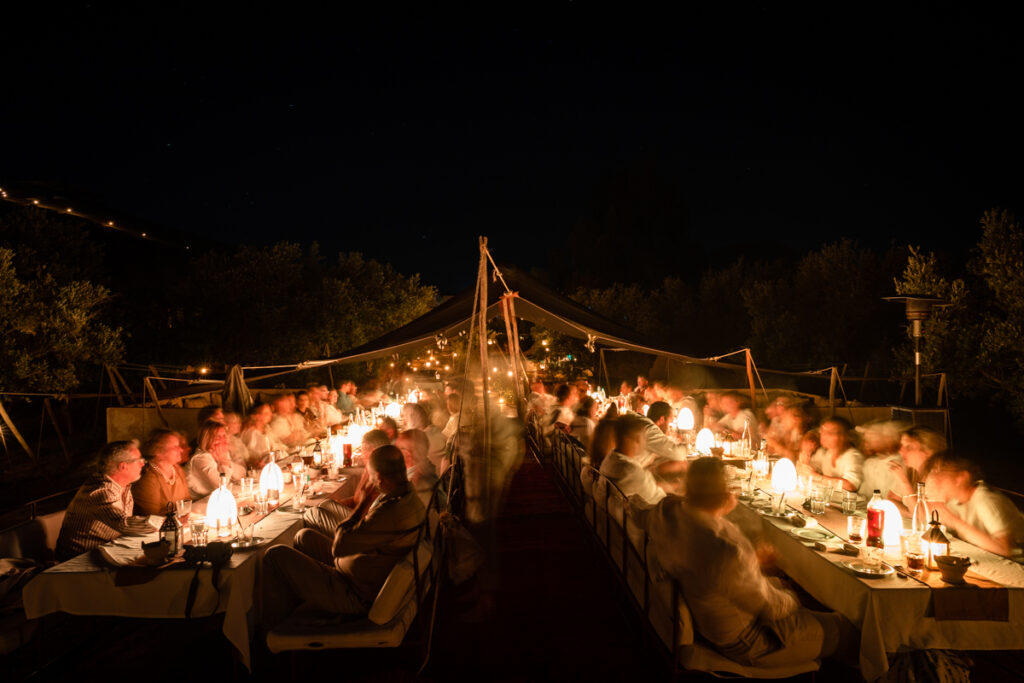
[
  {"x": 212, "y": 459},
  {"x": 746, "y": 616},
  {"x": 974, "y": 512},
  {"x": 101, "y": 510},
  {"x": 163, "y": 480}
]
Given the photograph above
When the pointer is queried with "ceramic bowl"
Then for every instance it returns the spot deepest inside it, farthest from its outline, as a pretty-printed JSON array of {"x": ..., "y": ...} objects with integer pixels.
[{"x": 953, "y": 567}]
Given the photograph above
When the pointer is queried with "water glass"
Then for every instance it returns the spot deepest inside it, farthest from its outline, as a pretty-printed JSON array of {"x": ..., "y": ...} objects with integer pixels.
[
  {"x": 747, "y": 486},
  {"x": 248, "y": 486},
  {"x": 871, "y": 556},
  {"x": 261, "y": 503},
  {"x": 197, "y": 527},
  {"x": 849, "y": 502},
  {"x": 818, "y": 499},
  {"x": 183, "y": 509},
  {"x": 299, "y": 502}
]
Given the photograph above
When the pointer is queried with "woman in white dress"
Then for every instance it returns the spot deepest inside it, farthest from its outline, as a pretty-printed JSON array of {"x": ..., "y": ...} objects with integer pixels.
[
  {"x": 257, "y": 436},
  {"x": 211, "y": 459}
]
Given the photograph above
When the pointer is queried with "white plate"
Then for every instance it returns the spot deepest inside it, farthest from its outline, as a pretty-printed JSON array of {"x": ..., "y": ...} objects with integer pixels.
[
  {"x": 812, "y": 534},
  {"x": 859, "y": 568}
]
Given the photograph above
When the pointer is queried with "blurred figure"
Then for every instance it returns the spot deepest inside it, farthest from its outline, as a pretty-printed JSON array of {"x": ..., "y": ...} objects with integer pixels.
[
  {"x": 212, "y": 459},
  {"x": 917, "y": 446},
  {"x": 837, "y": 459},
  {"x": 583, "y": 423},
  {"x": 621, "y": 466},
  {"x": 660, "y": 448},
  {"x": 346, "y": 402},
  {"x": 102, "y": 508},
  {"x": 880, "y": 444},
  {"x": 641, "y": 385},
  {"x": 746, "y": 616},
  {"x": 257, "y": 436},
  {"x": 332, "y": 416},
  {"x": 186, "y": 448},
  {"x": 415, "y": 417},
  {"x": 389, "y": 427},
  {"x": 453, "y": 402},
  {"x": 973, "y": 511},
  {"x": 286, "y": 426},
  {"x": 306, "y": 405},
  {"x": 566, "y": 397},
  {"x": 163, "y": 480},
  {"x": 415, "y": 446},
  {"x": 772, "y": 427},
  {"x": 736, "y": 417},
  {"x": 786, "y": 438},
  {"x": 239, "y": 452}
]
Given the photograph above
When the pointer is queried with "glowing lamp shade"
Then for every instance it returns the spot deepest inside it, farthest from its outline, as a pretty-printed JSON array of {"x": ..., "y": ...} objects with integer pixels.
[
  {"x": 222, "y": 511},
  {"x": 892, "y": 526},
  {"x": 784, "y": 477},
  {"x": 414, "y": 397},
  {"x": 684, "y": 421},
  {"x": 393, "y": 410},
  {"x": 646, "y": 408},
  {"x": 271, "y": 482},
  {"x": 705, "y": 441}
]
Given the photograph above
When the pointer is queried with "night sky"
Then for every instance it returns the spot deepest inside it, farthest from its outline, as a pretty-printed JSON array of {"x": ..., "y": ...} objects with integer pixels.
[{"x": 406, "y": 137}]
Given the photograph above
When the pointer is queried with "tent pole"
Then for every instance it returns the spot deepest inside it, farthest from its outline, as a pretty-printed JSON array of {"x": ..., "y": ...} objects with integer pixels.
[
  {"x": 832, "y": 391},
  {"x": 14, "y": 430},
  {"x": 750, "y": 381},
  {"x": 482, "y": 332}
]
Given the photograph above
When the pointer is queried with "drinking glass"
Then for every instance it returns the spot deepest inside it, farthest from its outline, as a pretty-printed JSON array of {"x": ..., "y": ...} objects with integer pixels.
[
  {"x": 299, "y": 502},
  {"x": 248, "y": 484},
  {"x": 818, "y": 494},
  {"x": 849, "y": 502},
  {"x": 856, "y": 527},
  {"x": 183, "y": 508},
  {"x": 197, "y": 527},
  {"x": 262, "y": 505},
  {"x": 871, "y": 556}
]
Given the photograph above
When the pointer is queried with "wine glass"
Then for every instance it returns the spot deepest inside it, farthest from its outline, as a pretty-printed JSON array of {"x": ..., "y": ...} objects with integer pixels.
[{"x": 184, "y": 509}]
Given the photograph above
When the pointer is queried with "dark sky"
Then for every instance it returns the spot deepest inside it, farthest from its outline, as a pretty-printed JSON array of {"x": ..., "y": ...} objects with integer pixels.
[{"x": 406, "y": 138}]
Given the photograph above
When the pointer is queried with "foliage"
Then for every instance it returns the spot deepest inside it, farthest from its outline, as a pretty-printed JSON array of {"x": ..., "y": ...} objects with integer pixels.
[
  {"x": 284, "y": 304},
  {"x": 49, "y": 330}
]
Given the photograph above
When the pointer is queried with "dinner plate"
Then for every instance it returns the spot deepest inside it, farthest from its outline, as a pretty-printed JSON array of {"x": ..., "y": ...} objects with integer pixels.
[
  {"x": 256, "y": 542},
  {"x": 860, "y": 569},
  {"x": 811, "y": 534}
]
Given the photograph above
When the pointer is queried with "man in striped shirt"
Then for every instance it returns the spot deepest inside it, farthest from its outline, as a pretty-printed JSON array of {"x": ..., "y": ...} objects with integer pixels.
[{"x": 101, "y": 510}]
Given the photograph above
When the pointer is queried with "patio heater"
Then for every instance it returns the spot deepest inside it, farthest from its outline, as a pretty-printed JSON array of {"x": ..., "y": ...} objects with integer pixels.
[{"x": 919, "y": 307}]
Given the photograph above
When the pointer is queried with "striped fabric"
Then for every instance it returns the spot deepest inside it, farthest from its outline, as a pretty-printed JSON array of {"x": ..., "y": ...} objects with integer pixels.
[{"x": 98, "y": 513}]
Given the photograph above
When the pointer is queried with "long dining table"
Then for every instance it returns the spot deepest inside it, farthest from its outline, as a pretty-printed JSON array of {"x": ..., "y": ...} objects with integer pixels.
[
  {"x": 90, "y": 584},
  {"x": 895, "y": 613}
]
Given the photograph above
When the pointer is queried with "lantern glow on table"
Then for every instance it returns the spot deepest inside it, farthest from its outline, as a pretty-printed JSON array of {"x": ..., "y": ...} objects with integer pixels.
[
  {"x": 393, "y": 410},
  {"x": 783, "y": 479},
  {"x": 705, "y": 441},
  {"x": 222, "y": 511},
  {"x": 892, "y": 524},
  {"x": 935, "y": 542},
  {"x": 271, "y": 483},
  {"x": 684, "y": 421}
]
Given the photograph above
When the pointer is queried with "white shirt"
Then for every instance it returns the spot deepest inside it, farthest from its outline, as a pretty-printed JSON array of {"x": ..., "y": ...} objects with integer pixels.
[
  {"x": 878, "y": 474},
  {"x": 992, "y": 513},
  {"x": 582, "y": 428},
  {"x": 631, "y": 478},
  {"x": 717, "y": 569},
  {"x": 736, "y": 423},
  {"x": 849, "y": 465}
]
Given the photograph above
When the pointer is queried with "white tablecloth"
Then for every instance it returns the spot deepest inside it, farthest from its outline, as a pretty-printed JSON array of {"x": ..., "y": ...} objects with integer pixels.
[
  {"x": 84, "y": 585},
  {"x": 893, "y": 614}
]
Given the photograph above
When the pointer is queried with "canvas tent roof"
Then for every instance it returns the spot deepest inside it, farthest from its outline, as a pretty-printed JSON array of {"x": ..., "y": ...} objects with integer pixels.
[{"x": 534, "y": 302}]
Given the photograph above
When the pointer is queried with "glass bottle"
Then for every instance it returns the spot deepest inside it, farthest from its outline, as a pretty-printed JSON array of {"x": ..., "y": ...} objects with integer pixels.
[
  {"x": 876, "y": 520},
  {"x": 170, "y": 530},
  {"x": 919, "y": 522}
]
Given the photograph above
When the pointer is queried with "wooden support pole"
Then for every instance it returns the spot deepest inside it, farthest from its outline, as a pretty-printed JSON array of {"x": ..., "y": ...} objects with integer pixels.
[
  {"x": 750, "y": 381},
  {"x": 56, "y": 427},
  {"x": 14, "y": 430}
]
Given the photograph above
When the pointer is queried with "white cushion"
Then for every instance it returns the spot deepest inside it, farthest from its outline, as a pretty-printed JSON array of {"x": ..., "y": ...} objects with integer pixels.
[{"x": 400, "y": 587}]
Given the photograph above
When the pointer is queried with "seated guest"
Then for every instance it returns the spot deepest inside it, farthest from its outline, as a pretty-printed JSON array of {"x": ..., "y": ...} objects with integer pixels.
[
  {"x": 641, "y": 385},
  {"x": 287, "y": 426},
  {"x": 239, "y": 452},
  {"x": 307, "y": 407},
  {"x": 564, "y": 410},
  {"x": 837, "y": 459},
  {"x": 659, "y": 447},
  {"x": 415, "y": 417},
  {"x": 257, "y": 436},
  {"x": 336, "y": 509},
  {"x": 974, "y": 512},
  {"x": 736, "y": 418},
  {"x": 211, "y": 412},
  {"x": 415, "y": 447},
  {"x": 880, "y": 444},
  {"x": 785, "y": 439},
  {"x": 332, "y": 416},
  {"x": 771, "y": 425},
  {"x": 212, "y": 459},
  {"x": 746, "y": 616},
  {"x": 582, "y": 425},
  {"x": 343, "y": 575},
  {"x": 102, "y": 508},
  {"x": 347, "y": 397},
  {"x": 163, "y": 480},
  {"x": 917, "y": 445},
  {"x": 389, "y": 427},
  {"x": 622, "y": 465},
  {"x": 186, "y": 447}
]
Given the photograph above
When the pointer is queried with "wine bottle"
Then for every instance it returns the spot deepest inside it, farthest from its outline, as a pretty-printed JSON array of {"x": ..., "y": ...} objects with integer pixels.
[{"x": 170, "y": 530}]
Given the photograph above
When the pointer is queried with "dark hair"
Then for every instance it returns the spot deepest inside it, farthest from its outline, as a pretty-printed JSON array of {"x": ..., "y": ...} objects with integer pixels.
[
  {"x": 389, "y": 463},
  {"x": 948, "y": 460},
  {"x": 205, "y": 413},
  {"x": 562, "y": 392},
  {"x": 255, "y": 408},
  {"x": 301, "y": 393},
  {"x": 626, "y": 427},
  {"x": 658, "y": 410},
  {"x": 602, "y": 442},
  {"x": 149, "y": 446},
  {"x": 387, "y": 423},
  {"x": 585, "y": 406},
  {"x": 611, "y": 413},
  {"x": 842, "y": 422}
]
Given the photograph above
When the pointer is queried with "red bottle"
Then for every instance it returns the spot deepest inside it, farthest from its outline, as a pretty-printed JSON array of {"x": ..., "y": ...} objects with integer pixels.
[{"x": 876, "y": 521}]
